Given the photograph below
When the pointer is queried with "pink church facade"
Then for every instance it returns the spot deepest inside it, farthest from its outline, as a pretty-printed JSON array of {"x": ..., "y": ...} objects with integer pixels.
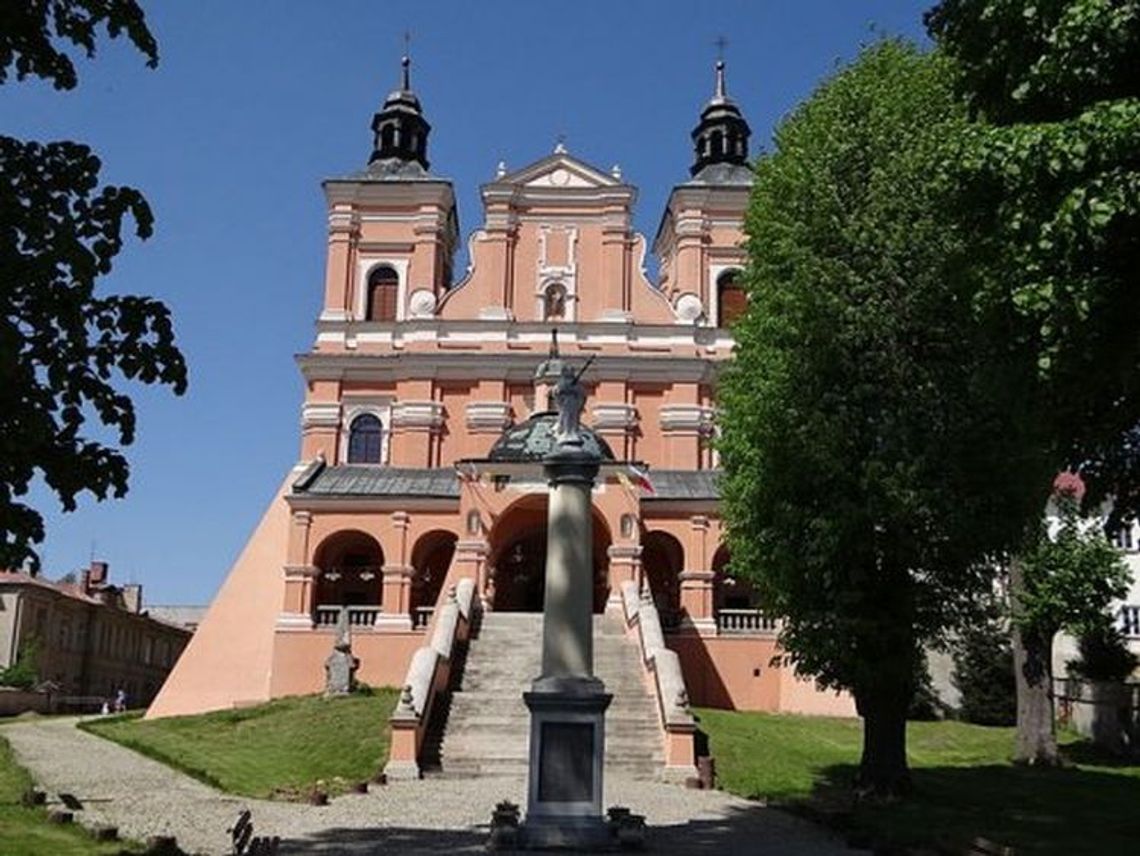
[{"x": 422, "y": 414}]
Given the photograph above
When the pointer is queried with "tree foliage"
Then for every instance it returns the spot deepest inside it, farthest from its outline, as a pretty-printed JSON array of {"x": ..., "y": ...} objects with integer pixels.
[
  {"x": 863, "y": 416},
  {"x": 62, "y": 345},
  {"x": 1072, "y": 574},
  {"x": 1050, "y": 192},
  {"x": 31, "y": 30},
  {"x": 983, "y": 672}
]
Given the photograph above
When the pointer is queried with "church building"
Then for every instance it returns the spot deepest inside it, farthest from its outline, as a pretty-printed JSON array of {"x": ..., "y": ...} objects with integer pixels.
[{"x": 427, "y": 413}]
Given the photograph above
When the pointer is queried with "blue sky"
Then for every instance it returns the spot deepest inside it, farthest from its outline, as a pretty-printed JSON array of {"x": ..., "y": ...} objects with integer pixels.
[{"x": 253, "y": 103}]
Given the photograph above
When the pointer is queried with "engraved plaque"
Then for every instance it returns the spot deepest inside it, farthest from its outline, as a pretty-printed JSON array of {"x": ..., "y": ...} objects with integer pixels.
[{"x": 566, "y": 763}]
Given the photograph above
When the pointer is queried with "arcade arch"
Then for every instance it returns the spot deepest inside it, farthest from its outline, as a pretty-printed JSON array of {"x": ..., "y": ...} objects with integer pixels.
[
  {"x": 518, "y": 557},
  {"x": 662, "y": 559},
  {"x": 350, "y": 566},
  {"x": 431, "y": 557}
]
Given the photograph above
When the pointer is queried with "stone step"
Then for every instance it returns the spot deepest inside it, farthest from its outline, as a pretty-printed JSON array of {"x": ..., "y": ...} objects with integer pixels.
[{"x": 488, "y": 727}]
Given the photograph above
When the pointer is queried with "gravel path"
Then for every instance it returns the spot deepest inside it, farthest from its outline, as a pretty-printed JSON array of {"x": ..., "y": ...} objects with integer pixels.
[{"x": 143, "y": 797}]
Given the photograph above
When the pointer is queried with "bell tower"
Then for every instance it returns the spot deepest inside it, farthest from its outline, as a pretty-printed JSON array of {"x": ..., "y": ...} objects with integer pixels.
[{"x": 700, "y": 239}]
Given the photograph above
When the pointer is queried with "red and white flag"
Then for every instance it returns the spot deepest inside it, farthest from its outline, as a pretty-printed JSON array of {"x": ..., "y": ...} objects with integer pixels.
[{"x": 641, "y": 478}]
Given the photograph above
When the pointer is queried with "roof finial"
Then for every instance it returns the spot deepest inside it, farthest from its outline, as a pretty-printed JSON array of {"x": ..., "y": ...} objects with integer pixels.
[
  {"x": 406, "y": 62},
  {"x": 560, "y": 144},
  {"x": 721, "y": 43}
]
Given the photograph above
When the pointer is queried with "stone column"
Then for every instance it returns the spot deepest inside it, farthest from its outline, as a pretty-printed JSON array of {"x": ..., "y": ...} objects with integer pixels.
[
  {"x": 567, "y": 703},
  {"x": 568, "y": 614}
]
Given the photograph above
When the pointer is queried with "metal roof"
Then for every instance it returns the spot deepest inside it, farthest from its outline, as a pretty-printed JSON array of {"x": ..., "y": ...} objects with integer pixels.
[
  {"x": 683, "y": 484},
  {"x": 371, "y": 480}
]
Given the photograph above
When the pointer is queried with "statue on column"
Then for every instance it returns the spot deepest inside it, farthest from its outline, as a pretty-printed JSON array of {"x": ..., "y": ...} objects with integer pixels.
[{"x": 570, "y": 398}]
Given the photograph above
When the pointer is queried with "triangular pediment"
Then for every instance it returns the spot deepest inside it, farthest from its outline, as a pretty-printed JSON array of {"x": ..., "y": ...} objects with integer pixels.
[{"x": 559, "y": 170}]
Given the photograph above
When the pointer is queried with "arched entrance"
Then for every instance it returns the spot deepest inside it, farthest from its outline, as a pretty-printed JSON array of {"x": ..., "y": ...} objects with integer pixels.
[{"x": 518, "y": 557}]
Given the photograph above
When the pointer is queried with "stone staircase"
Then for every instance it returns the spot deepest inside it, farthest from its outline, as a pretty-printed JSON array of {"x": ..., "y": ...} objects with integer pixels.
[{"x": 487, "y": 730}]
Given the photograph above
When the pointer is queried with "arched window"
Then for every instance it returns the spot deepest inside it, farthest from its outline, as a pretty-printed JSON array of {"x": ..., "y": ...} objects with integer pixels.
[
  {"x": 554, "y": 303},
  {"x": 382, "y": 285},
  {"x": 364, "y": 436},
  {"x": 731, "y": 299}
]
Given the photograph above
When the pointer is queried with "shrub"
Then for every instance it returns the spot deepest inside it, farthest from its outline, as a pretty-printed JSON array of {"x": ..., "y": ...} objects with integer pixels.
[
  {"x": 983, "y": 674},
  {"x": 1104, "y": 655}
]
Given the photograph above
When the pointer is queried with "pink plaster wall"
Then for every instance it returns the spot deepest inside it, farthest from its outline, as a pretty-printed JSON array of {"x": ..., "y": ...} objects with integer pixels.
[
  {"x": 230, "y": 655},
  {"x": 299, "y": 659}
]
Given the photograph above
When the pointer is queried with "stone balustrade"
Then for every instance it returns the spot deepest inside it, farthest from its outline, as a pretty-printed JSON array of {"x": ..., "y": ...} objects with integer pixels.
[
  {"x": 669, "y": 682},
  {"x": 428, "y": 675},
  {"x": 745, "y": 622},
  {"x": 359, "y": 617}
]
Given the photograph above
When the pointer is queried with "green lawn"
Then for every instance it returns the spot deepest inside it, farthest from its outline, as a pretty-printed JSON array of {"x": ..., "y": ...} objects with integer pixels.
[
  {"x": 282, "y": 748},
  {"x": 965, "y": 786},
  {"x": 26, "y": 831}
]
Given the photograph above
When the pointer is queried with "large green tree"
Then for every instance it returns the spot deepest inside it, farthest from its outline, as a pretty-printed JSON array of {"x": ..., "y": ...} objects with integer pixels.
[
  {"x": 1048, "y": 193},
  {"x": 62, "y": 345},
  {"x": 866, "y": 444}
]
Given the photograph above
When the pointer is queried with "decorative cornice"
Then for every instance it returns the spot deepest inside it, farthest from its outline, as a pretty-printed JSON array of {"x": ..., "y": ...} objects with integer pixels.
[
  {"x": 488, "y": 416},
  {"x": 423, "y": 415},
  {"x": 686, "y": 418},
  {"x": 613, "y": 415},
  {"x": 320, "y": 415}
]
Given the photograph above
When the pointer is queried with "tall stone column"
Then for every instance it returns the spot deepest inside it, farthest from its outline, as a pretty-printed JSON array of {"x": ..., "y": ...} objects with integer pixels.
[
  {"x": 567, "y": 703},
  {"x": 568, "y": 614}
]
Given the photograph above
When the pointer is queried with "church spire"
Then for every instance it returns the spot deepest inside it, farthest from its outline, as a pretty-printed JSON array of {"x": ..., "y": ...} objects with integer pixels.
[
  {"x": 722, "y": 134},
  {"x": 400, "y": 131}
]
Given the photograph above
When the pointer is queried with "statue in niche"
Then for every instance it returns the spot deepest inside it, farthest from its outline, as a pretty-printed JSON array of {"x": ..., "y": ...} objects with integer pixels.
[
  {"x": 340, "y": 665},
  {"x": 555, "y": 308}
]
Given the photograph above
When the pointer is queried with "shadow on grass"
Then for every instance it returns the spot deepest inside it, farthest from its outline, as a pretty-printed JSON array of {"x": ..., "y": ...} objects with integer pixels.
[
  {"x": 742, "y": 832},
  {"x": 1034, "y": 810}
]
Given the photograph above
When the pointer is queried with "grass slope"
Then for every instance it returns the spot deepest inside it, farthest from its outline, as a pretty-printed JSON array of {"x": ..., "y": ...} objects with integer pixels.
[
  {"x": 26, "y": 831},
  {"x": 285, "y": 746},
  {"x": 965, "y": 786}
]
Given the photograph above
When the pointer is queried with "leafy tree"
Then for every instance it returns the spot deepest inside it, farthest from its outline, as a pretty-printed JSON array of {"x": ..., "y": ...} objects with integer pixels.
[
  {"x": 983, "y": 670},
  {"x": 61, "y": 344},
  {"x": 1049, "y": 194},
  {"x": 1060, "y": 582},
  {"x": 25, "y": 672},
  {"x": 863, "y": 421}
]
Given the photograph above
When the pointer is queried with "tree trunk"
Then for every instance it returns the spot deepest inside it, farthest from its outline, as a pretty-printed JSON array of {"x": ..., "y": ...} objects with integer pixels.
[
  {"x": 883, "y": 772},
  {"x": 1033, "y": 670}
]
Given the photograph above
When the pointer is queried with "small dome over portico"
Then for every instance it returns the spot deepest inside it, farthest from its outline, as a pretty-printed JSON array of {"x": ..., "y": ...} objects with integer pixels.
[{"x": 534, "y": 439}]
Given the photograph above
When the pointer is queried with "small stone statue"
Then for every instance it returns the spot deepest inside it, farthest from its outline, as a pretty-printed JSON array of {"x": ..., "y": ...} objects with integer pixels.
[
  {"x": 570, "y": 398},
  {"x": 340, "y": 665}
]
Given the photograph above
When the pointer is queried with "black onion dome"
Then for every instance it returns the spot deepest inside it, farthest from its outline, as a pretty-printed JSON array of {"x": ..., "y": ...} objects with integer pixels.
[{"x": 535, "y": 438}]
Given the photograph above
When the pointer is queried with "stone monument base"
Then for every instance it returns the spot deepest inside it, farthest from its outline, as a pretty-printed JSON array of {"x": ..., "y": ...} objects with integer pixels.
[{"x": 567, "y": 747}]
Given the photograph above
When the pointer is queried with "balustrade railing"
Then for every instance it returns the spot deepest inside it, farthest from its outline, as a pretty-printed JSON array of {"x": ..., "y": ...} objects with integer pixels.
[
  {"x": 358, "y": 616},
  {"x": 744, "y": 622},
  {"x": 421, "y": 617}
]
